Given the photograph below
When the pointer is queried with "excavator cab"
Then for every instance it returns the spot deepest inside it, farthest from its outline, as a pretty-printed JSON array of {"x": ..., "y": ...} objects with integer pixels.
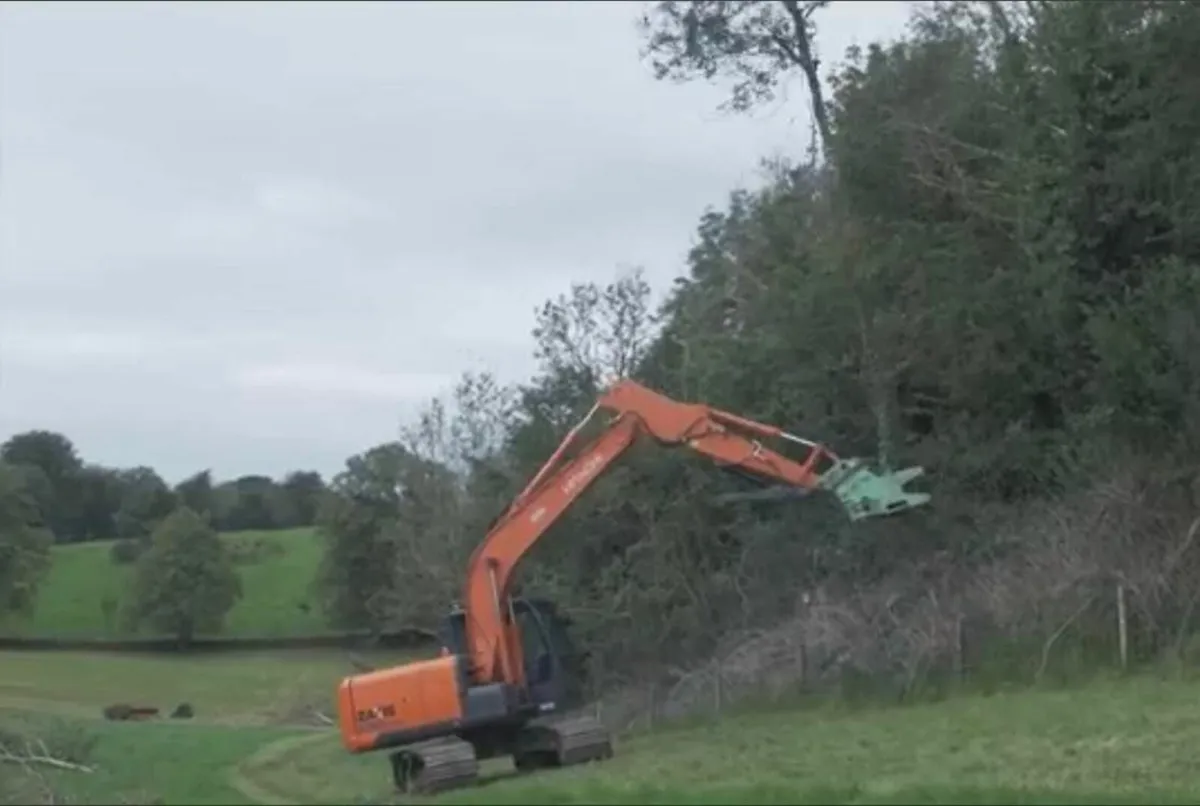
[{"x": 554, "y": 669}]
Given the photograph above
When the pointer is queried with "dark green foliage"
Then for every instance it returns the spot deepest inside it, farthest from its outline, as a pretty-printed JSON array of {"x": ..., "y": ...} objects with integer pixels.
[
  {"x": 993, "y": 273},
  {"x": 145, "y": 501},
  {"x": 79, "y": 501},
  {"x": 356, "y": 522},
  {"x": 127, "y": 550},
  {"x": 52, "y": 469},
  {"x": 757, "y": 44},
  {"x": 24, "y": 544},
  {"x": 197, "y": 493},
  {"x": 185, "y": 583},
  {"x": 301, "y": 493},
  {"x": 393, "y": 526}
]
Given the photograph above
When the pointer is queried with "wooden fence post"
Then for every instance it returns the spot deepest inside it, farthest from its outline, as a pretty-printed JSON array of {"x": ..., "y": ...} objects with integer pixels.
[
  {"x": 960, "y": 641},
  {"x": 717, "y": 685},
  {"x": 1122, "y": 627}
]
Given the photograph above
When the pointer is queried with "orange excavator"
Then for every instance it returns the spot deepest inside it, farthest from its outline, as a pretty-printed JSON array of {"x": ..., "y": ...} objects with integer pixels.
[{"x": 507, "y": 678}]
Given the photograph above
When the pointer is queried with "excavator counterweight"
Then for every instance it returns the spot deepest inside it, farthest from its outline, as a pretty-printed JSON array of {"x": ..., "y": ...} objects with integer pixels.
[{"x": 508, "y": 677}]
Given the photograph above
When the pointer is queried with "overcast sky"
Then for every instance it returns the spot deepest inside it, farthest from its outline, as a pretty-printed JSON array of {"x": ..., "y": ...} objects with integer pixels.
[{"x": 253, "y": 237}]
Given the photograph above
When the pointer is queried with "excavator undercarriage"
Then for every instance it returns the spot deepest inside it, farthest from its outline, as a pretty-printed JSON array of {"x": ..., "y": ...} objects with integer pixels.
[{"x": 452, "y": 762}]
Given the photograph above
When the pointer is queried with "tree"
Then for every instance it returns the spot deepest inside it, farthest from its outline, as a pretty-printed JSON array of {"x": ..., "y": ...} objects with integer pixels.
[
  {"x": 250, "y": 502},
  {"x": 197, "y": 494},
  {"x": 185, "y": 584},
  {"x": 357, "y": 523},
  {"x": 145, "y": 501},
  {"x": 301, "y": 494},
  {"x": 100, "y": 491},
  {"x": 24, "y": 545},
  {"x": 583, "y": 340},
  {"x": 56, "y": 458},
  {"x": 755, "y": 42},
  {"x": 33, "y": 480}
]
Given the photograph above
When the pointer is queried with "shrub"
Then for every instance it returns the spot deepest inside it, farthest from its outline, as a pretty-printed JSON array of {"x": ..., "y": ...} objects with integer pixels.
[{"x": 127, "y": 551}]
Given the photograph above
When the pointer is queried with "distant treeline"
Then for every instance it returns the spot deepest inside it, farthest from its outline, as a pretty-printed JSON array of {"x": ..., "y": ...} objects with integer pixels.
[{"x": 80, "y": 501}]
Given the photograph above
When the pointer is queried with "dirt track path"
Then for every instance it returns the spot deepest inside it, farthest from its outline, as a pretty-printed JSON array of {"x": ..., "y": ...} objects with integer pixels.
[{"x": 244, "y": 783}]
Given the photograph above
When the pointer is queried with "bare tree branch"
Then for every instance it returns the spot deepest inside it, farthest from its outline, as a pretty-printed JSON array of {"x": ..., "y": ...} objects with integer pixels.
[{"x": 35, "y": 753}]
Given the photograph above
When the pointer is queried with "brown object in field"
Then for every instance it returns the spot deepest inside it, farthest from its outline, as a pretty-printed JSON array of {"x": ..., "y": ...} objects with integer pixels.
[{"x": 122, "y": 712}]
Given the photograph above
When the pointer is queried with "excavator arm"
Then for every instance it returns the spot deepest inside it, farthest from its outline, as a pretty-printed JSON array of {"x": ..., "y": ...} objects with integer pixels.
[{"x": 493, "y": 642}]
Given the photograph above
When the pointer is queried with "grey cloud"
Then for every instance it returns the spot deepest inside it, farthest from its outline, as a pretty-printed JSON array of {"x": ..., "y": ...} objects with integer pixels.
[{"x": 255, "y": 236}]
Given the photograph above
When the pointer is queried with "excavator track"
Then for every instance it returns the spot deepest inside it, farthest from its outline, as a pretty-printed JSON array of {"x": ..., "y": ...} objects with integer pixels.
[
  {"x": 561, "y": 742},
  {"x": 437, "y": 765},
  {"x": 440, "y": 765}
]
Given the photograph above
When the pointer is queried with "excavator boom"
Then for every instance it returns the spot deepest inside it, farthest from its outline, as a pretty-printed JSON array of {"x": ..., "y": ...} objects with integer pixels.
[{"x": 726, "y": 438}]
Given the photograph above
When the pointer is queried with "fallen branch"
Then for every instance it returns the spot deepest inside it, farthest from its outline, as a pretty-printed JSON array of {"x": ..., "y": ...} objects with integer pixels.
[
  {"x": 1056, "y": 634},
  {"x": 37, "y": 754}
]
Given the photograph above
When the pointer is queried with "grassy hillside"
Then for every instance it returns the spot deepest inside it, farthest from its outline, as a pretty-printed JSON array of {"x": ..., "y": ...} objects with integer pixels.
[
  {"x": 275, "y": 588},
  {"x": 241, "y": 703},
  {"x": 1108, "y": 742},
  {"x": 1111, "y": 742}
]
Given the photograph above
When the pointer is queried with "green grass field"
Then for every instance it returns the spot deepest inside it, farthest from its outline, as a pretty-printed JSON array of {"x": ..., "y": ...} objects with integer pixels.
[
  {"x": 242, "y": 703},
  {"x": 276, "y": 598},
  {"x": 1109, "y": 742},
  {"x": 224, "y": 688},
  {"x": 255, "y": 738}
]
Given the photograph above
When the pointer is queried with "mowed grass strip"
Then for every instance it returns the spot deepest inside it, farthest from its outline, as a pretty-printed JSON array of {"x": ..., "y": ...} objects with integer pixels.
[
  {"x": 276, "y": 601},
  {"x": 1113, "y": 742},
  {"x": 164, "y": 762}
]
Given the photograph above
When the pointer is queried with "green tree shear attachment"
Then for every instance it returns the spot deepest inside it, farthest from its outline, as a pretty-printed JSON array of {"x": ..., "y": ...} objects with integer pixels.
[{"x": 866, "y": 493}]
